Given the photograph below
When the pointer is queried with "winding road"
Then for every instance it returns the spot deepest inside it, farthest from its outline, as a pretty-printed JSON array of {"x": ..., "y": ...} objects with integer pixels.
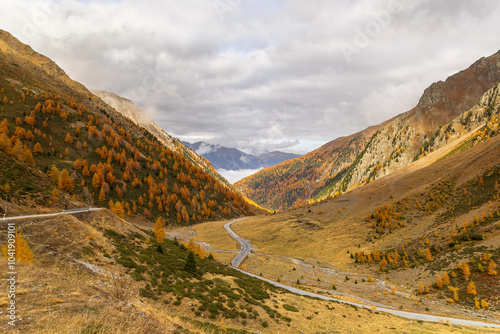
[
  {"x": 246, "y": 247},
  {"x": 43, "y": 215}
]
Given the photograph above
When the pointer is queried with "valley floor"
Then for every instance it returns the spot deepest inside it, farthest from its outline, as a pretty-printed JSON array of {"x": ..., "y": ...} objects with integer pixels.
[{"x": 324, "y": 280}]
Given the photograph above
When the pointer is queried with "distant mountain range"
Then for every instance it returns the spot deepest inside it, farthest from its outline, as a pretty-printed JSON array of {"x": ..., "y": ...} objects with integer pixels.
[{"x": 233, "y": 159}]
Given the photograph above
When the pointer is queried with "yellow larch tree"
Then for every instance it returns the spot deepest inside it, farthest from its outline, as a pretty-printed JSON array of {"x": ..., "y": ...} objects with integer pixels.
[
  {"x": 466, "y": 271},
  {"x": 65, "y": 181},
  {"x": 68, "y": 139},
  {"x": 491, "y": 268},
  {"x": 119, "y": 210},
  {"x": 55, "y": 196},
  {"x": 159, "y": 230},
  {"x": 446, "y": 279},
  {"x": 102, "y": 195},
  {"x": 428, "y": 255},
  {"x": 28, "y": 157},
  {"x": 439, "y": 282},
  {"x": 37, "y": 149},
  {"x": 421, "y": 287},
  {"x": 471, "y": 288},
  {"x": 22, "y": 248}
]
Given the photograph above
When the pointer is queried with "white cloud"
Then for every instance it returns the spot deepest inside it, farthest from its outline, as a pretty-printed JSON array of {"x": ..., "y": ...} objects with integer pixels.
[
  {"x": 206, "y": 148},
  {"x": 234, "y": 176},
  {"x": 259, "y": 74}
]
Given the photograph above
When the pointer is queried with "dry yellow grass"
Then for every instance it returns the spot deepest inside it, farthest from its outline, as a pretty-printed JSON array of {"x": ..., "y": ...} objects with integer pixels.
[
  {"x": 327, "y": 230},
  {"x": 58, "y": 295},
  {"x": 317, "y": 316},
  {"x": 213, "y": 233},
  {"x": 224, "y": 257}
]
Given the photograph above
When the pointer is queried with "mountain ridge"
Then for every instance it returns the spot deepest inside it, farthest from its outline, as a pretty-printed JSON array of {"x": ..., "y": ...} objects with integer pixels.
[
  {"x": 62, "y": 146},
  {"x": 233, "y": 159},
  {"x": 342, "y": 165},
  {"x": 130, "y": 110}
]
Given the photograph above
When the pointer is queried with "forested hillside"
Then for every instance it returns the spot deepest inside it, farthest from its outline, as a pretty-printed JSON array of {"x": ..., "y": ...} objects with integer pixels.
[
  {"x": 61, "y": 146},
  {"x": 293, "y": 182}
]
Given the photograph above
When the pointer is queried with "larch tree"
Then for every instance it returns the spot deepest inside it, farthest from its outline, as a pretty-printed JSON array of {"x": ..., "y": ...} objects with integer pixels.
[
  {"x": 29, "y": 136},
  {"x": 446, "y": 279},
  {"x": 184, "y": 214},
  {"x": 18, "y": 151},
  {"x": 383, "y": 264},
  {"x": 55, "y": 196},
  {"x": 96, "y": 181},
  {"x": 65, "y": 181},
  {"x": 159, "y": 230},
  {"x": 439, "y": 282},
  {"x": 421, "y": 288},
  {"x": 54, "y": 174},
  {"x": 23, "y": 250},
  {"x": 5, "y": 143},
  {"x": 491, "y": 268},
  {"x": 466, "y": 271},
  {"x": 68, "y": 139},
  {"x": 102, "y": 195},
  {"x": 119, "y": 210},
  {"x": 471, "y": 288},
  {"x": 86, "y": 171},
  {"x": 428, "y": 255},
  {"x": 28, "y": 157},
  {"x": 37, "y": 149}
]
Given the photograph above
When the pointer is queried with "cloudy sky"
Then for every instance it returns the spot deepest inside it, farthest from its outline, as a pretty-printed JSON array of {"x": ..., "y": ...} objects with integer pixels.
[{"x": 260, "y": 74}]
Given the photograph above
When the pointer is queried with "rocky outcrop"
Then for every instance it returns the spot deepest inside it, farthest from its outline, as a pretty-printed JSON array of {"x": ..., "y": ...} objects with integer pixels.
[{"x": 401, "y": 141}]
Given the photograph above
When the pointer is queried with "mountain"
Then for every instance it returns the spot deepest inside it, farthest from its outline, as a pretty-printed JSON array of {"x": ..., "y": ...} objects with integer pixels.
[
  {"x": 62, "y": 146},
  {"x": 131, "y": 111},
  {"x": 233, "y": 159},
  {"x": 428, "y": 229},
  {"x": 349, "y": 162}
]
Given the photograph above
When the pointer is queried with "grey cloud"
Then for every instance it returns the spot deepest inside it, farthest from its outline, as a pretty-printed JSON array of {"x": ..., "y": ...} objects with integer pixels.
[{"x": 261, "y": 75}]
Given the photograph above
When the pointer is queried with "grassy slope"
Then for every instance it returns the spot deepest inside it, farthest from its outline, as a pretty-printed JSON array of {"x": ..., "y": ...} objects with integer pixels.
[
  {"x": 57, "y": 294},
  {"x": 344, "y": 225}
]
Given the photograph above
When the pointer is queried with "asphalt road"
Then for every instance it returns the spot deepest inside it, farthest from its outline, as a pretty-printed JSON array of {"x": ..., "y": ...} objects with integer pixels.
[
  {"x": 64, "y": 212},
  {"x": 246, "y": 247}
]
